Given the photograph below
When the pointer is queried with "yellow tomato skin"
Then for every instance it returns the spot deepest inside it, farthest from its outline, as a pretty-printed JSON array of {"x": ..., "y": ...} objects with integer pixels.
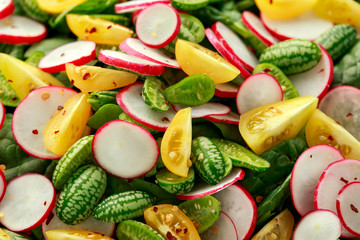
[
  {"x": 266, "y": 126},
  {"x": 75, "y": 234},
  {"x": 176, "y": 144},
  {"x": 169, "y": 220},
  {"x": 57, "y": 6},
  {"x": 321, "y": 129},
  {"x": 339, "y": 11},
  {"x": 284, "y": 9},
  {"x": 196, "y": 59},
  {"x": 92, "y": 78},
  {"x": 97, "y": 30},
  {"x": 24, "y": 77},
  {"x": 68, "y": 124}
]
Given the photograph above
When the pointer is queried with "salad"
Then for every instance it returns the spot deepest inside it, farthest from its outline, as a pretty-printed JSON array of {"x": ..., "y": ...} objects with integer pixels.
[{"x": 179, "y": 119}]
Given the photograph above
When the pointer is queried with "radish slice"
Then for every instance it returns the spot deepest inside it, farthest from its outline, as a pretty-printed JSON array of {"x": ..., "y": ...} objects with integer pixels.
[
  {"x": 33, "y": 114},
  {"x": 203, "y": 189},
  {"x": 135, "y": 47},
  {"x": 135, "y": 64},
  {"x": 206, "y": 109},
  {"x": 231, "y": 118},
  {"x": 78, "y": 53},
  {"x": 21, "y": 30},
  {"x": 318, "y": 225},
  {"x": 7, "y": 7},
  {"x": 226, "y": 90},
  {"x": 258, "y": 90},
  {"x": 233, "y": 43},
  {"x": 90, "y": 224},
  {"x": 254, "y": 24},
  {"x": 132, "y": 6},
  {"x": 232, "y": 58},
  {"x": 158, "y": 25},
  {"x": 2, "y": 114},
  {"x": 28, "y": 201},
  {"x": 224, "y": 228},
  {"x": 134, "y": 15},
  {"x": 342, "y": 104},
  {"x": 124, "y": 161},
  {"x": 2, "y": 185},
  {"x": 241, "y": 208},
  {"x": 306, "y": 26},
  {"x": 317, "y": 80},
  {"x": 306, "y": 173},
  {"x": 348, "y": 208},
  {"x": 130, "y": 100}
]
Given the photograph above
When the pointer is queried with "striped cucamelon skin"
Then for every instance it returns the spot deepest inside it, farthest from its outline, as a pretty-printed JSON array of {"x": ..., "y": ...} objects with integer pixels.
[
  {"x": 32, "y": 9},
  {"x": 131, "y": 229},
  {"x": 292, "y": 56},
  {"x": 175, "y": 184},
  {"x": 82, "y": 192},
  {"x": 209, "y": 162},
  {"x": 123, "y": 206}
]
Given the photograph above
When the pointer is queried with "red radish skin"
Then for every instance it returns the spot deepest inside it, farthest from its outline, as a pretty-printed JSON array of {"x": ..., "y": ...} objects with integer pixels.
[
  {"x": 226, "y": 90},
  {"x": 7, "y": 8},
  {"x": 134, "y": 16},
  {"x": 132, "y": 6},
  {"x": 27, "y": 203},
  {"x": 258, "y": 90},
  {"x": 306, "y": 172},
  {"x": 125, "y": 161},
  {"x": 233, "y": 43},
  {"x": 21, "y": 30},
  {"x": 224, "y": 228},
  {"x": 203, "y": 189},
  {"x": 33, "y": 114},
  {"x": 135, "y": 64},
  {"x": 207, "y": 109},
  {"x": 2, "y": 185},
  {"x": 135, "y": 47},
  {"x": 231, "y": 118},
  {"x": 316, "y": 81},
  {"x": 318, "y": 225},
  {"x": 2, "y": 114},
  {"x": 232, "y": 58},
  {"x": 78, "y": 53},
  {"x": 254, "y": 24},
  {"x": 158, "y": 25}
]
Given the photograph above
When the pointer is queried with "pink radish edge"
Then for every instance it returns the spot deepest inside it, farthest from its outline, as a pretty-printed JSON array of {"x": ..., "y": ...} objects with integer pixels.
[
  {"x": 132, "y": 6},
  {"x": 8, "y": 10},
  {"x": 3, "y": 183},
  {"x": 2, "y": 114}
]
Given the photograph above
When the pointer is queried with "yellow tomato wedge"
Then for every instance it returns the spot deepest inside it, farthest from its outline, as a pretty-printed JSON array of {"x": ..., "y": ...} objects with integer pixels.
[
  {"x": 171, "y": 222},
  {"x": 196, "y": 59},
  {"x": 4, "y": 235},
  {"x": 68, "y": 124},
  {"x": 57, "y": 6},
  {"x": 24, "y": 77},
  {"x": 97, "y": 30},
  {"x": 321, "y": 129},
  {"x": 284, "y": 9},
  {"x": 279, "y": 228},
  {"x": 176, "y": 144},
  {"x": 266, "y": 126},
  {"x": 92, "y": 78},
  {"x": 339, "y": 11},
  {"x": 75, "y": 234}
]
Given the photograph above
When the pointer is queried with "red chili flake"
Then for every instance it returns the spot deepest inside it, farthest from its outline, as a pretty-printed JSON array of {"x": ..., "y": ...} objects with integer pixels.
[
  {"x": 178, "y": 230},
  {"x": 271, "y": 1},
  {"x": 165, "y": 119},
  {"x": 330, "y": 138},
  {"x": 86, "y": 76},
  {"x": 50, "y": 217},
  {"x": 354, "y": 208},
  {"x": 86, "y": 30},
  {"x": 57, "y": 131},
  {"x": 170, "y": 236},
  {"x": 271, "y": 108},
  {"x": 60, "y": 107},
  {"x": 258, "y": 199},
  {"x": 184, "y": 230},
  {"x": 163, "y": 86},
  {"x": 267, "y": 70},
  {"x": 63, "y": 54},
  {"x": 196, "y": 225},
  {"x": 114, "y": 83},
  {"x": 35, "y": 132},
  {"x": 355, "y": 178},
  {"x": 310, "y": 156},
  {"x": 344, "y": 180},
  {"x": 349, "y": 115},
  {"x": 63, "y": 113},
  {"x": 14, "y": 98},
  {"x": 155, "y": 209},
  {"x": 10, "y": 80},
  {"x": 45, "y": 203},
  {"x": 92, "y": 30},
  {"x": 72, "y": 81},
  {"x": 109, "y": 26},
  {"x": 321, "y": 70},
  {"x": 167, "y": 102}
]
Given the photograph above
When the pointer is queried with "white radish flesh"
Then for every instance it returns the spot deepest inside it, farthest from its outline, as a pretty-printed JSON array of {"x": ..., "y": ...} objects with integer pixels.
[
  {"x": 2, "y": 185},
  {"x": 318, "y": 225},
  {"x": 130, "y": 100},
  {"x": 224, "y": 228},
  {"x": 28, "y": 201},
  {"x": 33, "y": 114},
  {"x": 258, "y": 90},
  {"x": 226, "y": 90},
  {"x": 231, "y": 118},
  {"x": 135, "y": 47},
  {"x": 306, "y": 173},
  {"x": 78, "y": 53},
  {"x": 158, "y": 25},
  {"x": 206, "y": 109},
  {"x": 7, "y": 7},
  {"x": 132, "y": 6},
  {"x": 132, "y": 63},
  {"x": 21, "y": 30}
]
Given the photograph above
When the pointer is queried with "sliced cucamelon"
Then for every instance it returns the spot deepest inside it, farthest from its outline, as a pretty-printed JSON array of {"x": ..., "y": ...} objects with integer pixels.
[
  {"x": 134, "y": 230},
  {"x": 337, "y": 40},
  {"x": 123, "y": 206},
  {"x": 292, "y": 56},
  {"x": 31, "y": 8},
  {"x": 81, "y": 193},
  {"x": 153, "y": 94},
  {"x": 116, "y": 18},
  {"x": 8, "y": 96},
  {"x": 175, "y": 184},
  {"x": 203, "y": 212},
  {"x": 100, "y": 98},
  {"x": 209, "y": 162},
  {"x": 123, "y": 116},
  {"x": 47, "y": 45},
  {"x": 35, "y": 58},
  {"x": 189, "y": 4}
]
